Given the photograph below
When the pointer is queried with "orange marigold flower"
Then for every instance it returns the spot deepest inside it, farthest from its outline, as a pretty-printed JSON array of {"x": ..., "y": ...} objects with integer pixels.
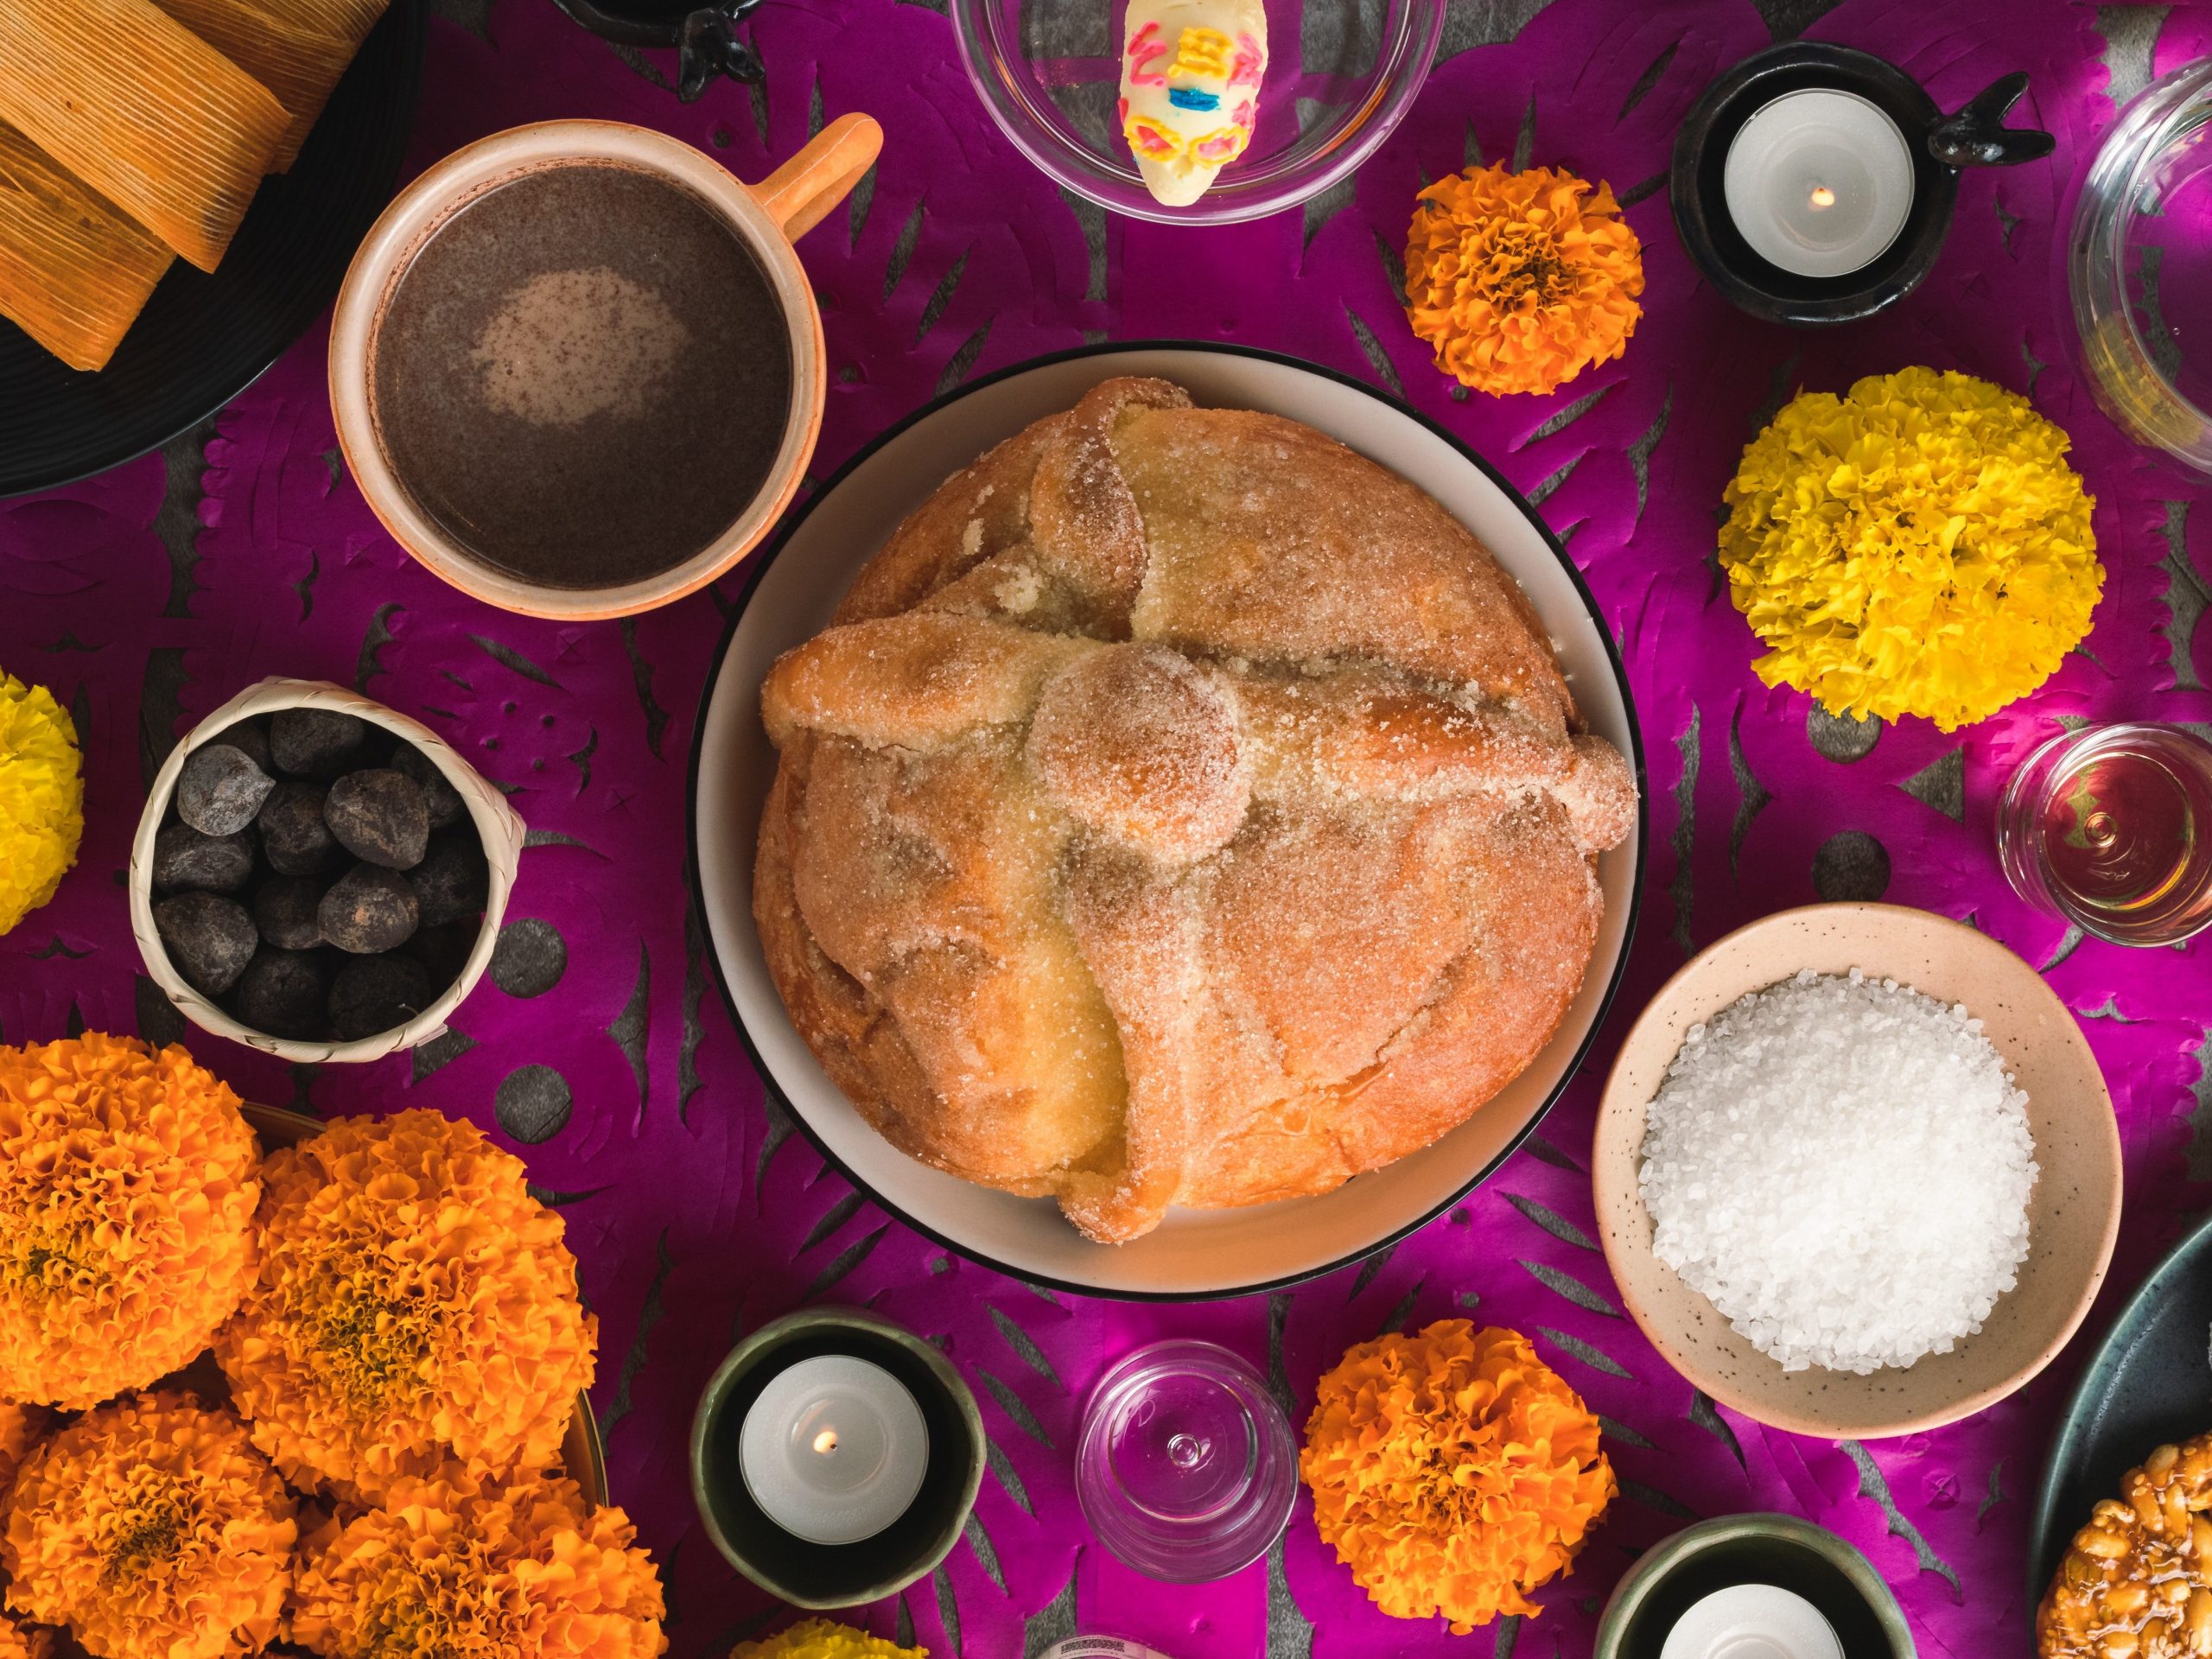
[
  {"x": 1520, "y": 280},
  {"x": 154, "y": 1530},
  {"x": 1453, "y": 1472},
  {"x": 414, "y": 1304},
  {"x": 21, "y": 1428},
  {"x": 21, "y": 1640},
  {"x": 456, "y": 1565},
  {"x": 127, "y": 1190}
]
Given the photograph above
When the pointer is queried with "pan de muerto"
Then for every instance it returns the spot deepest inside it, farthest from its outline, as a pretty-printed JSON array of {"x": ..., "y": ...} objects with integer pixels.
[{"x": 1180, "y": 810}]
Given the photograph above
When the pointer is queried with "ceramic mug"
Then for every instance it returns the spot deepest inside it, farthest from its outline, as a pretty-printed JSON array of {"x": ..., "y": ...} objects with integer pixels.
[{"x": 767, "y": 218}]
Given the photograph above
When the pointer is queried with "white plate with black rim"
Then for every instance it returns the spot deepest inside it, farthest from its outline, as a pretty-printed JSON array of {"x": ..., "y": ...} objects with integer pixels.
[{"x": 796, "y": 586}]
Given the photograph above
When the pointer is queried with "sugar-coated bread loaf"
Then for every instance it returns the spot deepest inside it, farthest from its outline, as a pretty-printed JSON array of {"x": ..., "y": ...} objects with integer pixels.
[{"x": 1180, "y": 810}]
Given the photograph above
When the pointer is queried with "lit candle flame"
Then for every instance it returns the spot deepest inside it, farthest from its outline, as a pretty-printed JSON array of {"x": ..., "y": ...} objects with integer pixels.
[
  {"x": 1822, "y": 196},
  {"x": 826, "y": 1441}
]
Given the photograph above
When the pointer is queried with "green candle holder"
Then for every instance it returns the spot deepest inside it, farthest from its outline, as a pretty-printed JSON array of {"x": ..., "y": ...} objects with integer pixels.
[
  {"x": 822, "y": 1577},
  {"x": 1806, "y": 1560}
]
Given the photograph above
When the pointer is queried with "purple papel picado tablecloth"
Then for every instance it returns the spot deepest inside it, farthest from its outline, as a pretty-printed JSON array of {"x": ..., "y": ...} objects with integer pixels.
[{"x": 599, "y": 1048}]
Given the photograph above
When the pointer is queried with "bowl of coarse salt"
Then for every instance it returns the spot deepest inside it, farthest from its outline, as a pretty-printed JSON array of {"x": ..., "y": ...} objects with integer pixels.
[{"x": 1856, "y": 1171}]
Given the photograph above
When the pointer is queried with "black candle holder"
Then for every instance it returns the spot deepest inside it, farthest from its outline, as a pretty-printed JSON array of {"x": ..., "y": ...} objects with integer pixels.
[
  {"x": 1942, "y": 145},
  {"x": 704, "y": 35}
]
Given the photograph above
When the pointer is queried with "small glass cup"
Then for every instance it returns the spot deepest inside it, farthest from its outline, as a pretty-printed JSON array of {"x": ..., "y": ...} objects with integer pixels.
[
  {"x": 1185, "y": 1467},
  {"x": 2110, "y": 827}
]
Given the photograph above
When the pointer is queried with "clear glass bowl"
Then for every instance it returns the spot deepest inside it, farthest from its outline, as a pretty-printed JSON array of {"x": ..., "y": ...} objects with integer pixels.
[
  {"x": 2139, "y": 267},
  {"x": 1341, "y": 75},
  {"x": 1185, "y": 1466}
]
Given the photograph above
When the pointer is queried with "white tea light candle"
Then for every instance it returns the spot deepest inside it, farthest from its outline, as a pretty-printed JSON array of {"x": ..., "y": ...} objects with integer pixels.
[
  {"x": 834, "y": 1450},
  {"x": 1819, "y": 182},
  {"x": 1752, "y": 1621}
]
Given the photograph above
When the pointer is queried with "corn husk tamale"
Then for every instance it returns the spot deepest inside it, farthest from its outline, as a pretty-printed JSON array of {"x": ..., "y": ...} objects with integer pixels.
[
  {"x": 294, "y": 60},
  {"x": 143, "y": 112},
  {"x": 74, "y": 271},
  {"x": 349, "y": 21}
]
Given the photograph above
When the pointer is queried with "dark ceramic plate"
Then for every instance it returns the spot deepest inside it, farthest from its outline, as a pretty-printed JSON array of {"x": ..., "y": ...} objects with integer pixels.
[
  {"x": 205, "y": 337},
  {"x": 2149, "y": 1383}
]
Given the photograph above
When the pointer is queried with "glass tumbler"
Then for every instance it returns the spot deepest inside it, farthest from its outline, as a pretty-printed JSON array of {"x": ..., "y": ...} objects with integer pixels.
[
  {"x": 1185, "y": 1465},
  {"x": 2110, "y": 827},
  {"x": 2139, "y": 267}
]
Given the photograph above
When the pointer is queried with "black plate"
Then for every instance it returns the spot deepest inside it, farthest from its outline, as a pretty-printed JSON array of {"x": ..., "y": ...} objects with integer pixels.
[
  {"x": 2149, "y": 1384},
  {"x": 205, "y": 337},
  {"x": 758, "y": 568}
]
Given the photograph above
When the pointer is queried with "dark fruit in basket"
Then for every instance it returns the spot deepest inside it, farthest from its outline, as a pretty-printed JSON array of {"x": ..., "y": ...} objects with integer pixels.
[
  {"x": 250, "y": 739},
  {"x": 285, "y": 909},
  {"x": 374, "y": 994},
  {"x": 439, "y": 797},
  {"x": 370, "y": 909},
  {"x": 316, "y": 742},
  {"x": 185, "y": 859},
  {"x": 380, "y": 817},
  {"x": 220, "y": 789},
  {"x": 283, "y": 992},
  {"x": 210, "y": 938},
  {"x": 294, "y": 838},
  {"x": 453, "y": 881},
  {"x": 443, "y": 951}
]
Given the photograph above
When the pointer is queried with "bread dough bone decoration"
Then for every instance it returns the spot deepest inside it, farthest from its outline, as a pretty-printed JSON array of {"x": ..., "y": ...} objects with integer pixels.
[{"x": 1191, "y": 72}]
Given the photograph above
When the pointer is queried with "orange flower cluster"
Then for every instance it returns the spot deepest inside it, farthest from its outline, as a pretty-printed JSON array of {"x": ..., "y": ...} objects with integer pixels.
[
  {"x": 21, "y": 1640},
  {"x": 21, "y": 1428},
  {"x": 413, "y": 1304},
  {"x": 154, "y": 1530},
  {"x": 453, "y": 1565},
  {"x": 126, "y": 1196},
  {"x": 1453, "y": 1472},
  {"x": 1520, "y": 280}
]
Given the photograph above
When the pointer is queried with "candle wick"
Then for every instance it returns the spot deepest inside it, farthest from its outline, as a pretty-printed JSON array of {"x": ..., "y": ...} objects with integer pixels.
[
  {"x": 826, "y": 1441},
  {"x": 1822, "y": 196}
]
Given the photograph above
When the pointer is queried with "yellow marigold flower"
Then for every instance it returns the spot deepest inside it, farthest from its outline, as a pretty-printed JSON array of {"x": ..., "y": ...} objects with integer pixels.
[
  {"x": 154, "y": 1530},
  {"x": 1917, "y": 547},
  {"x": 414, "y": 1304},
  {"x": 1453, "y": 1472},
  {"x": 21, "y": 1640},
  {"x": 453, "y": 1565},
  {"x": 127, "y": 1190},
  {"x": 41, "y": 797},
  {"x": 822, "y": 1638},
  {"x": 21, "y": 1428},
  {"x": 1520, "y": 280}
]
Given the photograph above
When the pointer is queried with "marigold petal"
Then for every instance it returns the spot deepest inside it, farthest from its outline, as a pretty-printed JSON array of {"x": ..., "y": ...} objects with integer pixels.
[
  {"x": 413, "y": 1304},
  {"x": 41, "y": 797},
  {"x": 152, "y": 1530},
  {"x": 1520, "y": 280},
  {"x": 1917, "y": 547},
  {"x": 455, "y": 1564},
  {"x": 127, "y": 1191},
  {"x": 1452, "y": 1471}
]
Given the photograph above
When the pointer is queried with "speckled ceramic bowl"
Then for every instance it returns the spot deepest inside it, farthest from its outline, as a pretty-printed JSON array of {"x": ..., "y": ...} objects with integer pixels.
[{"x": 2072, "y": 1216}]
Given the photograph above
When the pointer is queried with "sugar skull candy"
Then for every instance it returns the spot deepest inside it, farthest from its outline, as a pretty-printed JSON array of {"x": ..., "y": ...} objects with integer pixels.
[{"x": 1191, "y": 73}]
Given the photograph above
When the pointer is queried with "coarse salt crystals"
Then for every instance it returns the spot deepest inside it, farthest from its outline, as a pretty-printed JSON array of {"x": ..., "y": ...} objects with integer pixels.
[{"x": 1841, "y": 1165}]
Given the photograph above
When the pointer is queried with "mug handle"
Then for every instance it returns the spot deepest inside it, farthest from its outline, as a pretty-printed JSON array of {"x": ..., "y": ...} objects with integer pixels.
[{"x": 799, "y": 194}]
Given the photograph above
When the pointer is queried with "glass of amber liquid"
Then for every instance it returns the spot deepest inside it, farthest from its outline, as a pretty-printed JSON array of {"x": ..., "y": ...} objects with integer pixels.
[{"x": 2110, "y": 827}]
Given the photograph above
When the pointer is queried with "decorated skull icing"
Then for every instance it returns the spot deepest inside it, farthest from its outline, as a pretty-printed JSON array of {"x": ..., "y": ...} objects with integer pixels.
[{"x": 1191, "y": 74}]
